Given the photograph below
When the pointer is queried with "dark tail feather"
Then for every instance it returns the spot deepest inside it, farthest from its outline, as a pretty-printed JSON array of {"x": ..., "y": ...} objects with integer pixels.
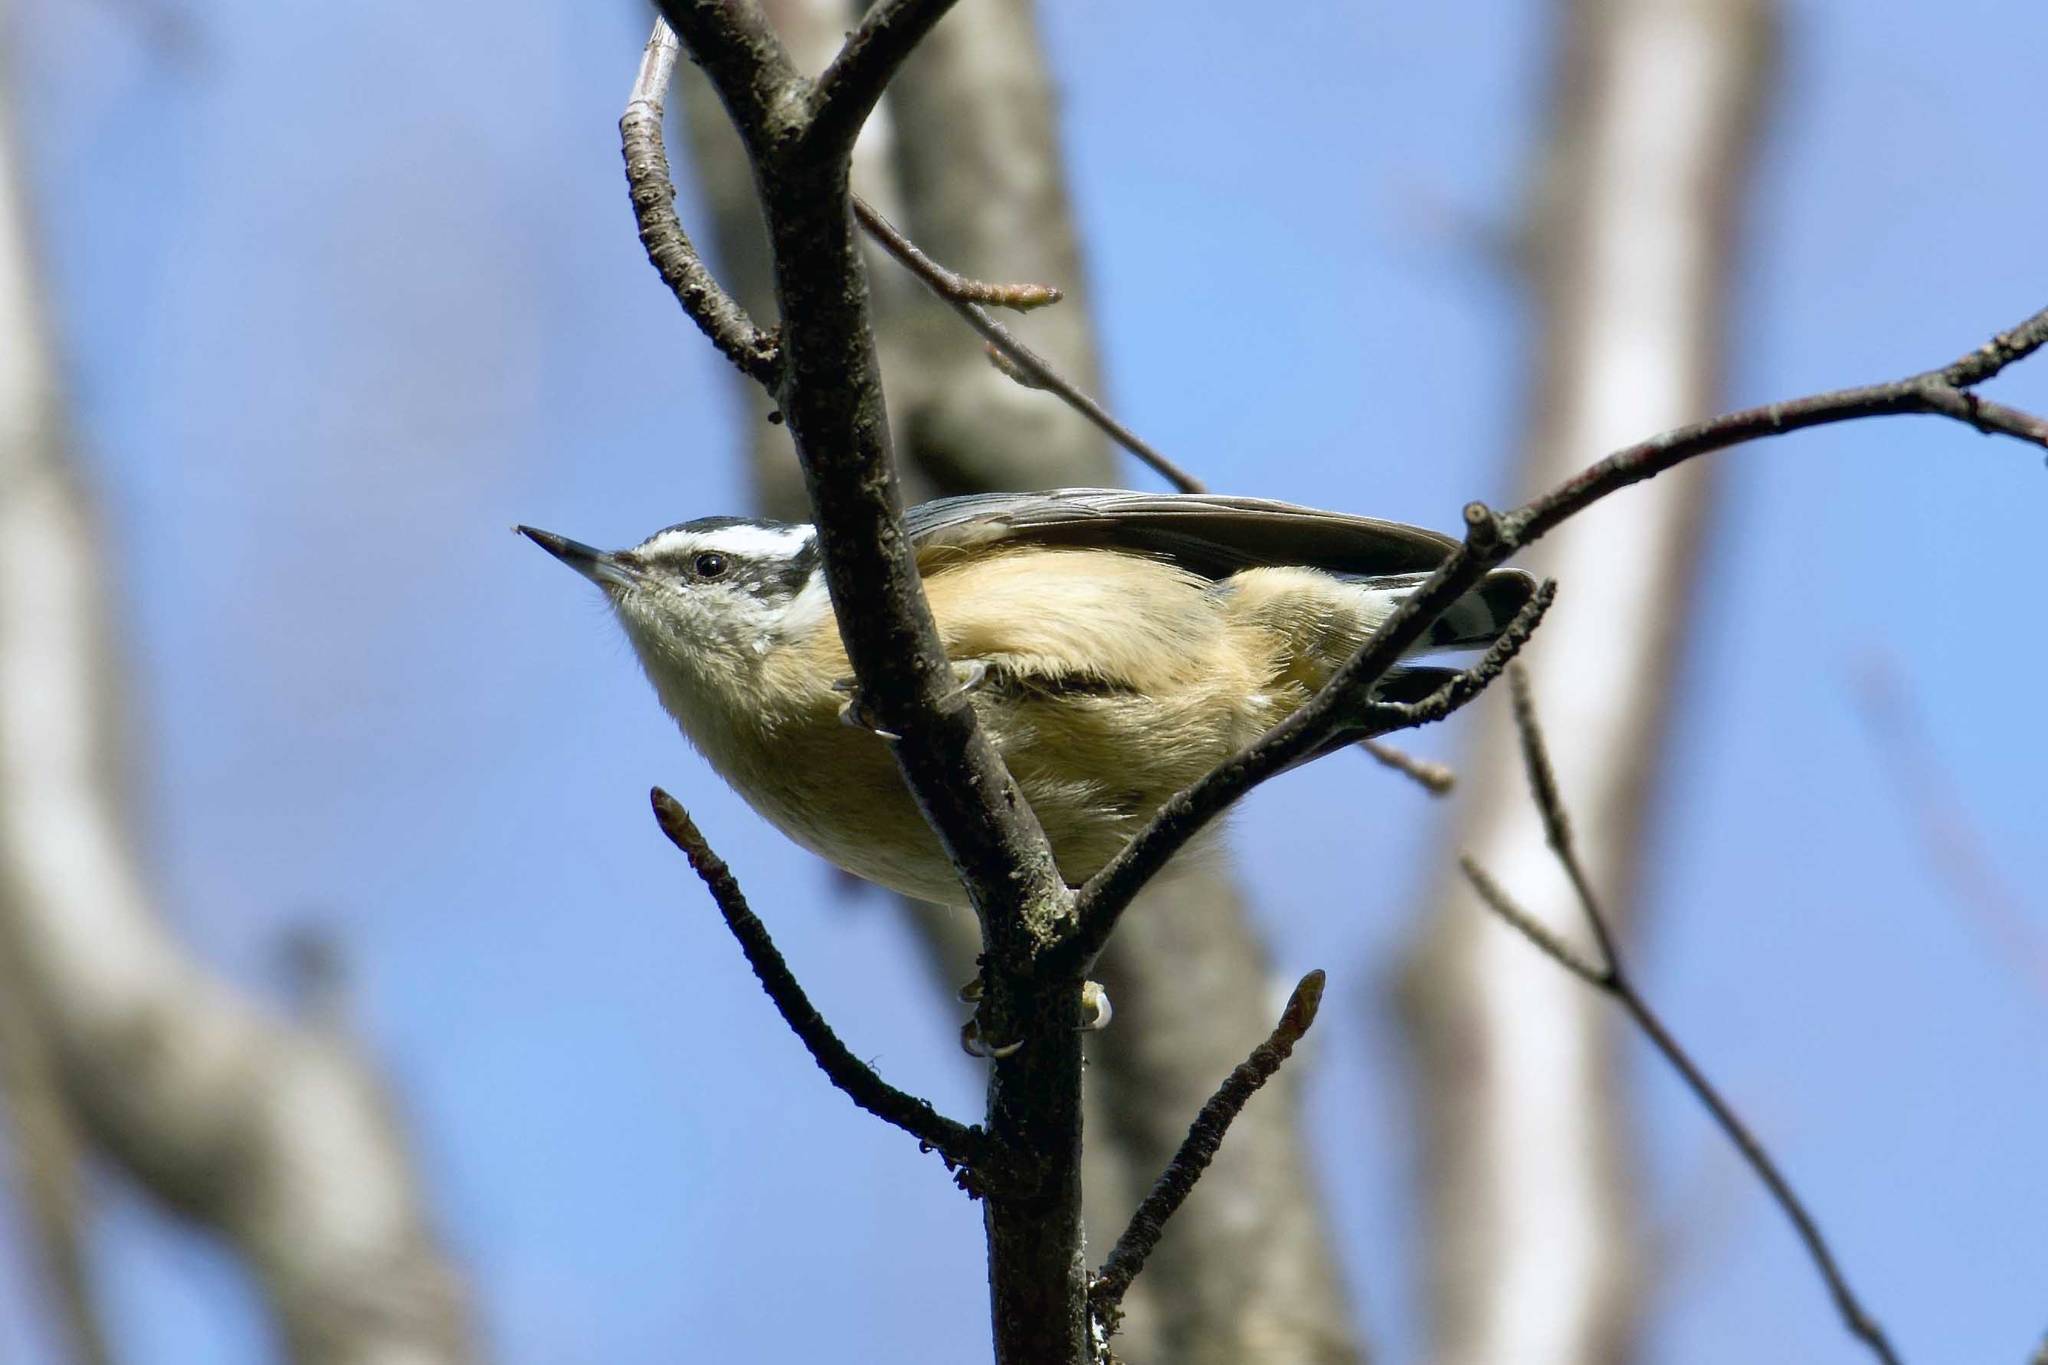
[{"x": 1474, "y": 620}]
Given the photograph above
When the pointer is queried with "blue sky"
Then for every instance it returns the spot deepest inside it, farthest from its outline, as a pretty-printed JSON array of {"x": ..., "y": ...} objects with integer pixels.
[{"x": 348, "y": 290}]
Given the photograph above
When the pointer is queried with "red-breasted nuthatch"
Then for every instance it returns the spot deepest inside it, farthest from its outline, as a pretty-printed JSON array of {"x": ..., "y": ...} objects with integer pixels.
[{"x": 1116, "y": 646}]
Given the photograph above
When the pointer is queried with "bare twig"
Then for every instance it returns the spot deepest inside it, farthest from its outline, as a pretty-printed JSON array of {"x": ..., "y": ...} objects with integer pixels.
[
  {"x": 1610, "y": 976},
  {"x": 959, "y": 1145},
  {"x": 674, "y": 257},
  {"x": 1331, "y": 712},
  {"x": 1943, "y": 392},
  {"x": 1468, "y": 683},
  {"x": 1012, "y": 356},
  {"x": 950, "y": 284},
  {"x": 1204, "y": 1137},
  {"x": 1435, "y": 778},
  {"x": 1491, "y": 538}
]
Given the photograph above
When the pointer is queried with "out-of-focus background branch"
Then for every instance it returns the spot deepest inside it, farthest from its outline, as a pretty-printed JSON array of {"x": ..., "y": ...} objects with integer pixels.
[
  {"x": 1537, "y": 1239},
  {"x": 273, "y": 1132}
]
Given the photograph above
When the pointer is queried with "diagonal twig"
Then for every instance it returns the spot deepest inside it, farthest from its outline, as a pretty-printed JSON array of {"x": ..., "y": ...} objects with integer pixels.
[
  {"x": 959, "y": 1145},
  {"x": 1198, "y": 1149},
  {"x": 675, "y": 258},
  {"x": 950, "y": 285},
  {"x": 1020, "y": 362},
  {"x": 1329, "y": 713},
  {"x": 1492, "y": 537},
  {"x": 1611, "y": 977},
  {"x": 1468, "y": 683},
  {"x": 1435, "y": 778}
]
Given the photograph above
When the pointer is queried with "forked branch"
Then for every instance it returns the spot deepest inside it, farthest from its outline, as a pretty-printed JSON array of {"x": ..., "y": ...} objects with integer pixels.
[
  {"x": 1491, "y": 538},
  {"x": 1609, "y": 975}
]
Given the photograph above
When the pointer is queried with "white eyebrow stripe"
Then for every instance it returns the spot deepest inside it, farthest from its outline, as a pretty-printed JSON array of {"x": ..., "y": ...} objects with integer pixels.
[{"x": 773, "y": 542}]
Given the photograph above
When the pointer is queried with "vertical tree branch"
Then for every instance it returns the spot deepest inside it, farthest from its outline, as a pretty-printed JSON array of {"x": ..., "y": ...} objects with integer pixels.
[
  {"x": 276, "y": 1134},
  {"x": 1535, "y": 1251},
  {"x": 829, "y": 392},
  {"x": 1248, "y": 1273},
  {"x": 964, "y": 154}
]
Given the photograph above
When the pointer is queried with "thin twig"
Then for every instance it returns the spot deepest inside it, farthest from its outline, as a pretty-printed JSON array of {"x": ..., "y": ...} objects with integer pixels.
[
  {"x": 1491, "y": 538},
  {"x": 1941, "y": 392},
  {"x": 1018, "y": 360},
  {"x": 950, "y": 285},
  {"x": 958, "y": 1144},
  {"x": 1331, "y": 712},
  {"x": 1466, "y": 684},
  {"x": 1435, "y": 778},
  {"x": 669, "y": 249},
  {"x": 1198, "y": 1149},
  {"x": 1611, "y": 978}
]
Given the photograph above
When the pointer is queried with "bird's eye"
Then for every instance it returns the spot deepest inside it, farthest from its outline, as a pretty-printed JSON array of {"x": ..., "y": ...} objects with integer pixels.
[{"x": 711, "y": 564}]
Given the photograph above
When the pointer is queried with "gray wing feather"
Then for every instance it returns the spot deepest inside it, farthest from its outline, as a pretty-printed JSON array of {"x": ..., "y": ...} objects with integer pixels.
[{"x": 1203, "y": 533}]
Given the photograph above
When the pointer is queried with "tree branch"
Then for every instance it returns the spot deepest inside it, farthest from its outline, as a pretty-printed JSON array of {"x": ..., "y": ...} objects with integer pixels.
[
  {"x": 1491, "y": 538},
  {"x": 965, "y": 297},
  {"x": 732, "y": 41},
  {"x": 1437, "y": 779},
  {"x": 1610, "y": 976},
  {"x": 830, "y": 394},
  {"x": 717, "y": 314},
  {"x": 950, "y": 285},
  {"x": 1319, "y": 720},
  {"x": 962, "y": 1147},
  {"x": 1943, "y": 392},
  {"x": 1466, "y": 684},
  {"x": 1204, "y": 1137},
  {"x": 853, "y": 84}
]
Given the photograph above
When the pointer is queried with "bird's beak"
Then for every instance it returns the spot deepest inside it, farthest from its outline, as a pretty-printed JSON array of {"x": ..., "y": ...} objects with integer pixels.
[{"x": 599, "y": 566}]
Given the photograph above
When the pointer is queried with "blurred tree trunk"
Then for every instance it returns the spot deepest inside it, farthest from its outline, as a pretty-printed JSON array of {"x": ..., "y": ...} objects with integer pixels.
[
  {"x": 273, "y": 1132},
  {"x": 966, "y": 159},
  {"x": 1538, "y": 1249}
]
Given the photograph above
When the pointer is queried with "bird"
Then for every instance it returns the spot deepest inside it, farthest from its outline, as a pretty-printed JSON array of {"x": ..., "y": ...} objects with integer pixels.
[{"x": 1115, "y": 645}]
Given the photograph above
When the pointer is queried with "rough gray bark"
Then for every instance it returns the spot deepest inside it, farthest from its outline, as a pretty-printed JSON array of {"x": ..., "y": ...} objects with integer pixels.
[
  {"x": 1537, "y": 1250},
  {"x": 274, "y": 1133},
  {"x": 968, "y": 164}
]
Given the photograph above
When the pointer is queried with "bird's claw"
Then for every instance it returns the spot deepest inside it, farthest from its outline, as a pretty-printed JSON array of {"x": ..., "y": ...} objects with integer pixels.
[
  {"x": 974, "y": 1045},
  {"x": 855, "y": 713},
  {"x": 1096, "y": 1011}
]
